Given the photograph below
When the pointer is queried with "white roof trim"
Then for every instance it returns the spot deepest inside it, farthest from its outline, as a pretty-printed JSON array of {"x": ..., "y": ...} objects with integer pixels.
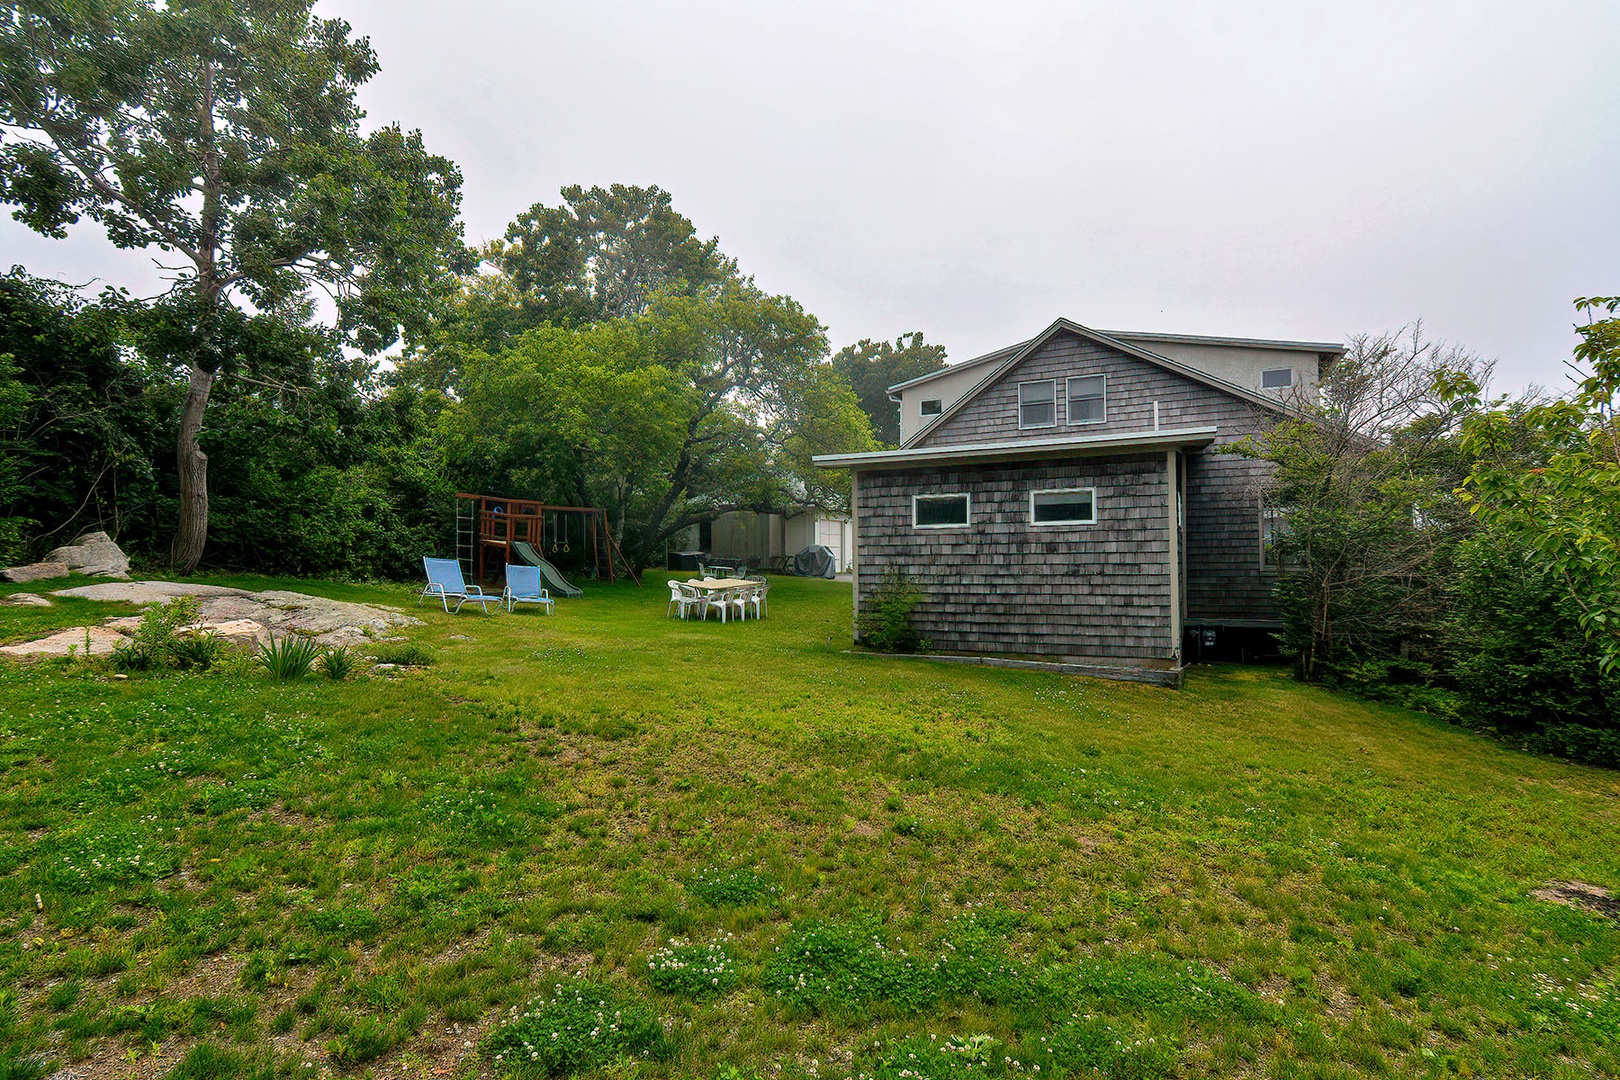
[
  {"x": 1113, "y": 443},
  {"x": 951, "y": 369},
  {"x": 1333, "y": 347},
  {"x": 1212, "y": 381}
]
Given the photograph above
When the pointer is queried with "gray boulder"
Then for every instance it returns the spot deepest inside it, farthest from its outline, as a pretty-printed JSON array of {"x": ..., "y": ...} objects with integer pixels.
[
  {"x": 94, "y": 554},
  {"x": 39, "y": 571}
]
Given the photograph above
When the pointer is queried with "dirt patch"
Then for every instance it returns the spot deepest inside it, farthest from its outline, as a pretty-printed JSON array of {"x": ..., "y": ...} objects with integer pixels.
[{"x": 1579, "y": 894}]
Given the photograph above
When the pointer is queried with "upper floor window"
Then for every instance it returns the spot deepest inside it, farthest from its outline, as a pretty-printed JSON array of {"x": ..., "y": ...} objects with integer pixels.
[
  {"x": 1063, "y": 506},
  {"x": 932, "y": 406},
  {"x": 1088, "y": 399},
  {"x": 941, "y": 511},
  {"x": 1277, "y": 378},
  {"x": 1037, "y": 404}
]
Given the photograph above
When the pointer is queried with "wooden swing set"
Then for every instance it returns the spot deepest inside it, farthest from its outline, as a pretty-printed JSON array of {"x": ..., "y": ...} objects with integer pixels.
[{"x": 488, "y": 527}]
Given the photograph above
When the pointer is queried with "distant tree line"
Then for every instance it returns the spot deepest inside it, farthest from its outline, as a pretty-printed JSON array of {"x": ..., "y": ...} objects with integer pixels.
[{"x": 1455, "y": 553}]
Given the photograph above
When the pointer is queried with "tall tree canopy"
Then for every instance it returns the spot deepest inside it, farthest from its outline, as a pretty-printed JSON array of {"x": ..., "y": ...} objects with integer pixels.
[
  {"x": 226, "y": 134},
  {"x": 871, "y": 367},
  {"x": 701, "y": 405}
]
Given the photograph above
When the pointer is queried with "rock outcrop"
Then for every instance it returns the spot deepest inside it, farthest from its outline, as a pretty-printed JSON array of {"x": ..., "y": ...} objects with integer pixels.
[
  {"x": 39, "y": 571},
  {"x": 24, "y": 599},
  {"x": 78, "y": 641},
  {"x": 94, "y": 554}
]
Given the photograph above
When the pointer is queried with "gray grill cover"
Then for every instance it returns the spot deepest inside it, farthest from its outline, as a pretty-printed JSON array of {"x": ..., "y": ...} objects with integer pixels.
[{"x": 815, "y": 561}]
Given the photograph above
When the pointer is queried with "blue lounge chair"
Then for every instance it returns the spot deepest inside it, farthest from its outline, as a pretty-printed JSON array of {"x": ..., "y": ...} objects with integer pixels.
[
  {"x": 523, "y": 587},
  {"x": 444, "y": 581}
]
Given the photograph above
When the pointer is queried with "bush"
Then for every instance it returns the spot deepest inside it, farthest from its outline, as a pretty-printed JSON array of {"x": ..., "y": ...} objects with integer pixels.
[
  {"x": 162, "y": 640},
  {"x": 885, "y": 620},
  {"x": 289, "y": 658},
  {"x": 582, "y": 1025}
]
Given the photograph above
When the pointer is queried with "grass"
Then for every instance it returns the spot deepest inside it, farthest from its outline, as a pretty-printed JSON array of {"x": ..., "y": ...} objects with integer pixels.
[{"x": 799, "y": 863}]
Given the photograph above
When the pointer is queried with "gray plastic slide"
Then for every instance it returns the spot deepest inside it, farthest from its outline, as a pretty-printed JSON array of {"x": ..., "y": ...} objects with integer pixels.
[{"x": 525, "y": 551}]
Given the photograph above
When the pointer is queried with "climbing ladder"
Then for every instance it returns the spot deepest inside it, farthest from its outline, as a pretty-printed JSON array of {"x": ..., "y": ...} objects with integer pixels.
[{"x": 466, "y": 535}]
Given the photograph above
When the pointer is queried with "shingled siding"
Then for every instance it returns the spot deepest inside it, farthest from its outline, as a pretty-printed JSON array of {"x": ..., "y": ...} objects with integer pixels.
[
  {"x": 1224, "y": 579},
  {"x": 1005, "y": 586}
]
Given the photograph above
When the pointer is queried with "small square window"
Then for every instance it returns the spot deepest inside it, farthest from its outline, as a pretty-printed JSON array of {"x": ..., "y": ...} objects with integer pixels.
[
  {"x": 940, "y": 511},
  {"x": 1063, "y": 506},
  {"x": 1088, "y": 399},
  {"x": 1037, "y": 404},
  {"x": 1277, "y": 378},
  {"x": 932, "y": 406}
]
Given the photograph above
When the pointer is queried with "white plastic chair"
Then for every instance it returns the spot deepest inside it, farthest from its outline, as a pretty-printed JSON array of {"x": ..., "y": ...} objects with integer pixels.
[
  {"x": 757, "y": 598},
  {"x": 681, "y": 599},
  {"x": 738, "y": 601}
]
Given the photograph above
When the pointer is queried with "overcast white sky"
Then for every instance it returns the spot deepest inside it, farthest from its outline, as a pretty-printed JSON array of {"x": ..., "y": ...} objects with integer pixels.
[{"x": 975, "y": 170}]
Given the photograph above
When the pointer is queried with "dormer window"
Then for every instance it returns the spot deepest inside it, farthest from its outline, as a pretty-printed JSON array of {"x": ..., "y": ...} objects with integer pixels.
[
  {"x": 1088, "y": 399},
  {"x": 932, "y": 406},
  {"x": 1277, "y": 378},
  {"x": 1037, "y": 404}
]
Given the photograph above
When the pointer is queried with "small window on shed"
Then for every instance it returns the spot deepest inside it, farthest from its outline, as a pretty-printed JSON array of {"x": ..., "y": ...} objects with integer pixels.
[
  {"x": 1277, "y": 378},
  {"x": 1063, "y": 506},
  {"x": 1037, "y": 404},
  {"x": 932, "y": 406},
  {"x": 940, "y": 511},
  {"x": 1088, "y": 399}
]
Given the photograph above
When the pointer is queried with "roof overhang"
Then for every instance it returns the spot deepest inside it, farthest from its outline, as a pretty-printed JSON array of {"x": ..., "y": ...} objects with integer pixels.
[{"x": 1123, "y": 442}]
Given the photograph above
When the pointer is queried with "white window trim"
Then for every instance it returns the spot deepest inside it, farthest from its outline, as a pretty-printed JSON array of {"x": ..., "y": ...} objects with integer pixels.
[
  {"x": 1062, "y": 524},
  {"x": 922, "y": 406},
  {"x": 1036, "y": 382},
  {"x": 1066, "y": 399},
  {"x": 1289, "y": 385},
  {"x": 968, "y": 495}
]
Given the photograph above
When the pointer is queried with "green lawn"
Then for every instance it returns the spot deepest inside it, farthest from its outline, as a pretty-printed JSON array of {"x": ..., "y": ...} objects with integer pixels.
[{"x": 870, "y": 867}]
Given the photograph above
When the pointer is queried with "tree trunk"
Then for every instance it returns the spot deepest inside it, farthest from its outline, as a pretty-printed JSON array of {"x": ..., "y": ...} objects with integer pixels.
[{"x": 191, "y": 533}]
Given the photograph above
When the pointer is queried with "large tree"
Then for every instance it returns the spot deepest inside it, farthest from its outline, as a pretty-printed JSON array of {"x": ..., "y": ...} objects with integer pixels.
[
  {"x": 871, "y": 367},
  {"x": 701, "y": 405},
  {"x": 225, "y": 133}
]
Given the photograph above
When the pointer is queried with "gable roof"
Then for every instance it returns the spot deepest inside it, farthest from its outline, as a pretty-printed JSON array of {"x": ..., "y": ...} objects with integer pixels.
[
  {"x": 1012, "y": 356},
  {"x": 1118, "y": 442}
]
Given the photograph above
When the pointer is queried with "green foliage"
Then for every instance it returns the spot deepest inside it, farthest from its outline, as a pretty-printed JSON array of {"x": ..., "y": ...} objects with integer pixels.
[
  {"x": 871, "y": 367},
  {"x": 362, "y": 1039},
  {"x": 162, "y": 640},
  {"x": 884, "y": 622},
  {"x": 206, "y": 1061},
  {"x": 582, "y": 1025},
  {"x": 731, "y": 888},
  {"x": 117, "y": 853},
  {"x": 404, "y": 653},
  {"x": 289, "y": 657},
  {"x": 337, "y": 663},
  {"x": 693, "y": 970},
  {"x": 15, "y": 1065},
  {"x": 1565, "y": 512}
]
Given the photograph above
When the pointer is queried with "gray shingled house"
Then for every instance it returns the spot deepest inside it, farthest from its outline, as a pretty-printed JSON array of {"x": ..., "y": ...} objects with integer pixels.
[{"x": 1060, "y": 500}]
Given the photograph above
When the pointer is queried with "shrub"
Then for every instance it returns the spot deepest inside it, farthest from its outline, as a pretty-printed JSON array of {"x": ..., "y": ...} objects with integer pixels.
[
  {"x": 361, "y": 1040},
  {"x": 337, "y": 663},
  {"x": 161, "y": 640},
  {"x": 582, "y": 1025},
  {"x": 289, "y": 658},
  {"x": 885, "y": 620},
  {"x": 731, "y": 888},
  {"x": 693, "y": 970},
  {"x": 405, "y": 654}
]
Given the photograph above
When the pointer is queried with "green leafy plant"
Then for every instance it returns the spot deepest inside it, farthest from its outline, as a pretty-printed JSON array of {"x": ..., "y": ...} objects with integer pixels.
[
  {"x": 404, "y": 653},
  {"x": 731, "y": 888},
  {"x": 162, "y": 639},
  {"x": 582, "y": 1025},
  {"x": 885, "y": 619},
  {"x": 289, "y": 657},
  {"x": 337, "y": 663},
  {"x": 693, "y": 970}
]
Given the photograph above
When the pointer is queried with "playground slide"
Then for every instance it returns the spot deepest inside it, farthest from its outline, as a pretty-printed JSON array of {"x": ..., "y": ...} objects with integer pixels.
[{"x": 525, "y": 551}]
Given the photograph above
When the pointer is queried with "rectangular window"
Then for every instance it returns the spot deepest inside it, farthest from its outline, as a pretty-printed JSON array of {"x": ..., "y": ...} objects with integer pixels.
[
  {"x": 940, "y": 511},
  {"x": 1088, "y": 399},
  {"x": 1273, "y": 525},
  {"x": 1063, "y": 506},
  {"x": 1037, "y": 404},
  {"x": 1277, "y": 378},
  {"x": 932, "y": 406}
]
